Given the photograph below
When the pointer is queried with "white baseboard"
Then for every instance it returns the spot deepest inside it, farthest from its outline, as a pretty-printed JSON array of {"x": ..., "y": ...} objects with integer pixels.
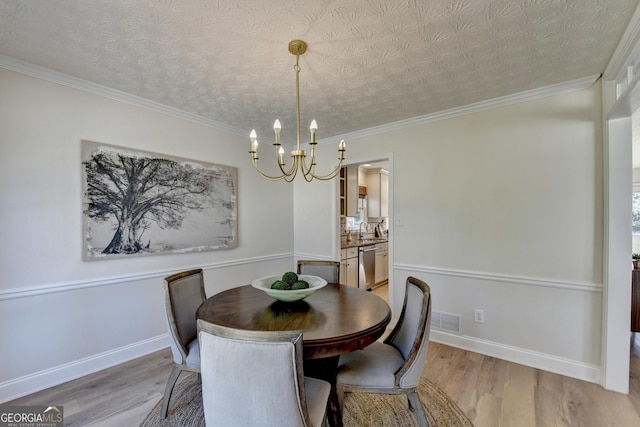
[
  {"x": 546, "y": 362},
  {"x": 22, "y": 386}
]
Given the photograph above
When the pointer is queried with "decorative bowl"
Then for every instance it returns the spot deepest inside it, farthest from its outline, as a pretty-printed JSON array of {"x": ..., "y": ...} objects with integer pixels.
[{"x": 264, "y": 284}]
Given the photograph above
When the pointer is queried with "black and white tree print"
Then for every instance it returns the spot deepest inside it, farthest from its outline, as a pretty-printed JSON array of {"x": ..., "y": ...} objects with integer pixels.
[{"x": 135, "y": 193}]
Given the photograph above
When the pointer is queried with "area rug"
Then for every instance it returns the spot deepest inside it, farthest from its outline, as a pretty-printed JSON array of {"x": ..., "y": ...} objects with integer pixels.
[{"x": 360, "y": 409}]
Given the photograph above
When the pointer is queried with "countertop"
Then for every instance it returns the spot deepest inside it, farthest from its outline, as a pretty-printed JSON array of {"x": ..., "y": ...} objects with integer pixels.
[{"x": 364, "y": 242}]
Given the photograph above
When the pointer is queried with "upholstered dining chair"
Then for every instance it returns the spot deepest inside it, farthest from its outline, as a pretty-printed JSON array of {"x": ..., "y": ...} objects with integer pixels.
[
  {"x": 256, "y": 378},
  {"x": 328, "y": 270},
  {"x": 393, "y": 366},
  {"x": 183, "y": 294}
]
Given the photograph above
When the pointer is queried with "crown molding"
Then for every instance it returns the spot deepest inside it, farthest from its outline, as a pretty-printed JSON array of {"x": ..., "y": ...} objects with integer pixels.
[
  {"x": 43, "y": 73},
  {"x": 528, "y": 95},
  {"x": 32, "y": 70},
  {"x": 627, "y": 51}
]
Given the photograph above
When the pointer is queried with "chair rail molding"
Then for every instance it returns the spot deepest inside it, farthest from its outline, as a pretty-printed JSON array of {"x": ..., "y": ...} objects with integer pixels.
[
  {"x": 495, "y": 277},
  {"x": 108, "y": 281}
]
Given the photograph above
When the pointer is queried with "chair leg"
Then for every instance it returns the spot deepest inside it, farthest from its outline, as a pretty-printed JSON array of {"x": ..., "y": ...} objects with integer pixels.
[
  {"x": 340, "y": 392},
  {"x": 416, "y": 406},
  {"x": 171, "y": 382}
]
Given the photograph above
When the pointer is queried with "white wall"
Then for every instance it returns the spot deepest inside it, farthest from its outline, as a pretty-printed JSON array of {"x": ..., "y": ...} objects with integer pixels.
[
  {"x": 62, "y": 317},
  {"x": 502, "y": 211}
]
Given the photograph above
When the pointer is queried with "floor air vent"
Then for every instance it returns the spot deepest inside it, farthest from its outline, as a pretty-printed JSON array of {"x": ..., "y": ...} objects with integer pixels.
[{"x": 446, "y": 322}]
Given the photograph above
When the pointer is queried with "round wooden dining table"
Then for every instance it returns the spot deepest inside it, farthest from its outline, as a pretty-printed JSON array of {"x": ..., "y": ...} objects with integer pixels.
[{"x": 334, "y": 320}]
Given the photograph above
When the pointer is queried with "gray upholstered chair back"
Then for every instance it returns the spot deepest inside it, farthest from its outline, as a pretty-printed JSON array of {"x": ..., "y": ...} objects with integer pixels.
[
  {"x": 253, "y": 378},
  {"x": 184, "y": 292},
  {"x": 411, "y": 334},
  {"x": 395, "y": 365},
  {"x": 328, "y": 270}
]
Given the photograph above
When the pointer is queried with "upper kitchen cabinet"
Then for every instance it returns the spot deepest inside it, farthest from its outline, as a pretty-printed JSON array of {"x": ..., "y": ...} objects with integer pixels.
[
  {"x": 378, "y": 193},
  {"x": 351, "y": 191}
]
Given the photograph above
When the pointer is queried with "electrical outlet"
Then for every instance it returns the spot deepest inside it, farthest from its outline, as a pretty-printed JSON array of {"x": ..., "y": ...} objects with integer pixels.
[
  {"x": 478, "y": 315},
  {"x": 399, "y": 221}
]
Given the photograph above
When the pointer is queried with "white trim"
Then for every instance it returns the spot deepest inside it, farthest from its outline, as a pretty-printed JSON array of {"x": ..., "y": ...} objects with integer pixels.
[
  {"x": 620, "y": 80},
  {"x": 495, "y": 277},
  {"x": 305, "y": 255},
  {"x": 528, "y": 95},
  {"x": 626, "y": 51},
  {"x": 108, "y": 281},
  {"x": 617, "y": 244},
  {"x": 96, "y": 89},
  {"x": 547, "y": 362},
  {"x": 84, "y": 85},
  {"x": 625, "y": 104},
  {"x": 22, "y": 386}
]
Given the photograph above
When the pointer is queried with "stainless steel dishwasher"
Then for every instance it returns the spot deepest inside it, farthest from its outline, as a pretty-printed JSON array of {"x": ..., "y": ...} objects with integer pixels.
[{"x": 367, "y": 267}]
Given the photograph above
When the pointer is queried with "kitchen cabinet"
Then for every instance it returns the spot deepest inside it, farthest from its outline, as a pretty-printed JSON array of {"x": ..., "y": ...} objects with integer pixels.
[
  {"x": 378, "y": 193},
  {"x": 349, "y": 266},
  {"x": 382, "y": 262},
  {"x": 351, "y": 183}
]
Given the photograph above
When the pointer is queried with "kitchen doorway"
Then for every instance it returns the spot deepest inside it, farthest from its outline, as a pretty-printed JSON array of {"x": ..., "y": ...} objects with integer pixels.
[{"x": 365, "y": 208}]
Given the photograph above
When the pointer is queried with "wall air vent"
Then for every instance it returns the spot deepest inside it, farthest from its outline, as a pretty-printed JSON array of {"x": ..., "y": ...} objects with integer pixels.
[{"x": 446, "y": 322}]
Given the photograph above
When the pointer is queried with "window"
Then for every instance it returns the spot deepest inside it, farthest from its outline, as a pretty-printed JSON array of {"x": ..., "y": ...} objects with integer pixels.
[
  {"x": 635, "y": 213},
  {"x": 353, "y": 222}
]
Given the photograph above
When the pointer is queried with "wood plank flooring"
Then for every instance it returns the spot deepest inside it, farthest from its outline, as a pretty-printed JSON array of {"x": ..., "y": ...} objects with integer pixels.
[{"x": 492, "y": 392}]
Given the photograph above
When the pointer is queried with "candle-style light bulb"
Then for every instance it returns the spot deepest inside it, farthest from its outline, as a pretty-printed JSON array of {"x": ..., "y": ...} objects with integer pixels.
[
  {"x": 281, "y": 156},
  {"x": 254, "y": 141},
  {"x": 313, "y": 128},
  {"x": 277, "y": 127}
]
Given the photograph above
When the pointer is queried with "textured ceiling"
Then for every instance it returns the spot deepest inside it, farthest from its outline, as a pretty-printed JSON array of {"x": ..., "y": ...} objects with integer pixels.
[{"x": 369, "y": 62}]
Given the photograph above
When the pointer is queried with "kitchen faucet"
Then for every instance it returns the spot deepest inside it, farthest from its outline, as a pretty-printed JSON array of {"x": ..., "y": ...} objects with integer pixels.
[{"x": 360, "y": 232}]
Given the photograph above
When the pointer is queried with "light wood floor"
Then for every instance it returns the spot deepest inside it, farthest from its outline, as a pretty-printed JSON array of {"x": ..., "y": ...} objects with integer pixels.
[{"x": 490, "y": 391}]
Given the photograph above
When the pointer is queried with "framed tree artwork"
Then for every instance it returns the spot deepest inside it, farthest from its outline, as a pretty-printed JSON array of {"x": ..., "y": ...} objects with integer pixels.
[{"x": 138, "y": 203}]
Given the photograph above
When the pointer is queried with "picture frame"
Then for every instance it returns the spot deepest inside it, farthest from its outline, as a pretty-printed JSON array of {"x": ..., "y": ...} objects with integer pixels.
[{"x": 139, "y": 203}]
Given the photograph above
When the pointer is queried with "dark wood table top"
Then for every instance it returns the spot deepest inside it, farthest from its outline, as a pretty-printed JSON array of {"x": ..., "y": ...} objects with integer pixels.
[{"x": 336, "y": 319}]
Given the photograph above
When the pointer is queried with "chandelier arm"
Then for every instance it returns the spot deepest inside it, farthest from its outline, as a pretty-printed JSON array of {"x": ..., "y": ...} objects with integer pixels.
[
  {"x": 307, "y": 170},
  {"x": 313, "y": 155},
  {"x": 336, "y": 171},
  {"x": 329, "y": 176},
  {"x": 264, "y": 175},
  {"x": 307, "y": 173},
  {"x": 292, "y": 169},
  {"x": 308, "y": 177},
  {"x": 291, "y": 176},
  {"x": 280, "y": 159}
]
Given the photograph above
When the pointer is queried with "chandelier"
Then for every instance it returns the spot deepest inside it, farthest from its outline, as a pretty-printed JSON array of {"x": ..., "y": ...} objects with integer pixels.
[{"x": 298, "y": 156}]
